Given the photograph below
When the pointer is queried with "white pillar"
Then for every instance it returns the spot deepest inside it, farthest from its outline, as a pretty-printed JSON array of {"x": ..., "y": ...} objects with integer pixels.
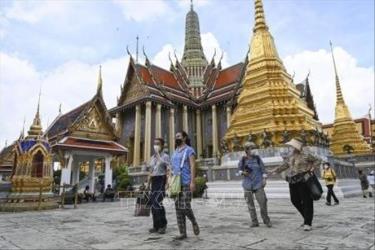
[
  {"x": 214, "y": 132},
  {"x": 199, "y": 134},
  {"x": 91, "y": 176},
  {"x": 229, "y": 113},
  {"x": 158, "y": 121},
  {"x": 108, "y": 172},
  {"x": 185, "y": 119},
  {"x": 137, "y": 137},
  {"x": 147, "y": 146},
  {"x": 171, "y": 131},
  {"x": 66, "y": 171}
]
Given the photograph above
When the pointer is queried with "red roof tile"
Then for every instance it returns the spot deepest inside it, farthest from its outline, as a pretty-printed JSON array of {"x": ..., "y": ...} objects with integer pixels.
[
  {"x": 96, "y": 145},
  {"x": 229, "y": 75}
]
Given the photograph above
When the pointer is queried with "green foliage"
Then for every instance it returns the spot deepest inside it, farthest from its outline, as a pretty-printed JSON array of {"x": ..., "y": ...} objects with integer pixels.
[
  {"x": 121, "y": 175},
  {"x": 200, "y": 185}
]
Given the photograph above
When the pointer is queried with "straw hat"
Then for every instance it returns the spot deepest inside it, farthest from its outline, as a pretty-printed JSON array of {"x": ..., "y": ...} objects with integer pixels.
[
  {"x": 295, "y": 144},
  {"x": 250, "y": 145}
]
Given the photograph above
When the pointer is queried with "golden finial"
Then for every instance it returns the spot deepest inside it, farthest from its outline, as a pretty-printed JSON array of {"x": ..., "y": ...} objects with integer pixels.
[
  {"x": 339, "y": 95},
  {"x": 60, "y": 109},
  {"x": 36, "y": 128},
  {"x": 260, "y": 20},
  {"x": 100, "y": 81}
]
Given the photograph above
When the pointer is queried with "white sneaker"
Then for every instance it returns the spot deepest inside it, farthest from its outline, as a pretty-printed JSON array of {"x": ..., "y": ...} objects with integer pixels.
[{"x": 307, "y": 228}]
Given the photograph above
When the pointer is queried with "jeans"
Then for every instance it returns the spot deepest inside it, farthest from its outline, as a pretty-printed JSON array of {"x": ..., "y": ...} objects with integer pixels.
[
  {"x": 157, "y": 195},
  {"x": 331, "y": 193},
  {"x": 302, "y": 201},
  {"x": 261, "y": 198}
]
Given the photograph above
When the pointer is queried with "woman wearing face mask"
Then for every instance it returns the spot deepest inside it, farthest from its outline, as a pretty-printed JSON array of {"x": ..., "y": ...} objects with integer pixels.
[
  {"x": 183, "y": 163},
  {"x": 159, "y": 164},
  {"x": 298, "y": 164},
  {"x": 329, "y": 176},
  {"x": 252, "y": 168}
]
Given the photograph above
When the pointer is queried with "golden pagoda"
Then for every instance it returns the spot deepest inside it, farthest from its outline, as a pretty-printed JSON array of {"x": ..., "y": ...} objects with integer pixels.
[
  {"x": 269, "y": 101},
  {"x": 345, "y": 137}
]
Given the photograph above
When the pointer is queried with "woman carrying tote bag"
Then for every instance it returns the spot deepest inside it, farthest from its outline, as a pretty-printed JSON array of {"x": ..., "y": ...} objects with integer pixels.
[
  {"x": 300, "y": 166},
  {"x": 183, "y": 165}
]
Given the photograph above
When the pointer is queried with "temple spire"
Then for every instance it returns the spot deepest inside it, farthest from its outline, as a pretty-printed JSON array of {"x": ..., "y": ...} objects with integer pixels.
[
  {"x": 339, "y": 95},
  {"x": 260, "y": 20},
  {"x": 100, "y": 81},
  {"x": 35, "y": 130},
  {"x": 191, "y": 5},
  {"x": 193, "y": 60}
]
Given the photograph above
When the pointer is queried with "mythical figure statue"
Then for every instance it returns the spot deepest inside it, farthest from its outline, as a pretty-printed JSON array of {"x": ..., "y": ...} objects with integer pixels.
[
  {"x": 224, "y": 146},
  {"x": 285, "y": 136},
  {"x": 267, "y": 139},
  {"x": 236, "y": 143},
  {"x": 251, "y": 137}
]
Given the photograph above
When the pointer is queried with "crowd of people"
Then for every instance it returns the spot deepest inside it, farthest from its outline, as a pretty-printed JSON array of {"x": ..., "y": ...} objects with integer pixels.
[{"x": 299, "y": 166}]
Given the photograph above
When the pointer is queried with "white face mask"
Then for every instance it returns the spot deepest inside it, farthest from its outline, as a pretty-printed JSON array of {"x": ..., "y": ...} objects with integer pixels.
[{"x": 157, "y": 148}]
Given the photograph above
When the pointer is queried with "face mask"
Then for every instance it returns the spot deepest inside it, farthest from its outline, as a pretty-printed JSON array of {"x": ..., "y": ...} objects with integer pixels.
[
  {"x": 157, "y": 148},
  {"x": 178, "y": 142}
]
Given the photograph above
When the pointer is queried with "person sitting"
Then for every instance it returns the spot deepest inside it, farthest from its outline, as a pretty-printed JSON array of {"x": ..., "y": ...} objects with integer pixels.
[
  {"x": 88, "y": 195},
  {"x": 109, "y": 193}
]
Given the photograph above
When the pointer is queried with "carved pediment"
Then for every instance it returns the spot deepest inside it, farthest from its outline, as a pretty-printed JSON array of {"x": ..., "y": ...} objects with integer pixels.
[{"x": 134, "y": 91}]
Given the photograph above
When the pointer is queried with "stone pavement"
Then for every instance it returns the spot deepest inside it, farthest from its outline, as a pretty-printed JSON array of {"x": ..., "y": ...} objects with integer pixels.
[{"x": 224, "y": 225}]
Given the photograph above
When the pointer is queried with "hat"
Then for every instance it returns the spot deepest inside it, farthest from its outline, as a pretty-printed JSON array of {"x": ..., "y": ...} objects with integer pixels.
[
  {"x": 295, "y": 144},
  {"x": 250, "y": 145},
  {"x": 372, "y": 172}
]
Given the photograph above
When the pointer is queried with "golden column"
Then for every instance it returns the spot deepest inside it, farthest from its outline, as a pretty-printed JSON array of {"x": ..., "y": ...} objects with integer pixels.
[
  {"x": 158, "y": 121},
  {"x": 199, "y": 134},
  {"x": 147, "y": 149},
  {"x": 171, "y": 131},
  {"x": 229, "y": 113},
  {"x": 185, "y": 119},
  {"x": 137, "y": 136},
  {"x": 214, "y": 132}
]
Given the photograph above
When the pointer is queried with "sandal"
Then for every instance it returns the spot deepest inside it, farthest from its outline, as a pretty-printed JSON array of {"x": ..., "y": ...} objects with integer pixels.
[{"x": 196, "y": 229}]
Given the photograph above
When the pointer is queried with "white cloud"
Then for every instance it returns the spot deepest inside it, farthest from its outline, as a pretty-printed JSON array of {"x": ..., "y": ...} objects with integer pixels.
[
  {"x": 145, "y": 10},
  {"x": 197, "y": 3},
  {"x": 34, "y": 11},
  {"x": 70, "y": 84},
  {"x": 357, "y": 83},
  {"x": 210, "y": 43}
]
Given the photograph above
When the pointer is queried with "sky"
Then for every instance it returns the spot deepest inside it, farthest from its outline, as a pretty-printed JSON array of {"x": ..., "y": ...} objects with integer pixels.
[{"x": 58, "y": 45}]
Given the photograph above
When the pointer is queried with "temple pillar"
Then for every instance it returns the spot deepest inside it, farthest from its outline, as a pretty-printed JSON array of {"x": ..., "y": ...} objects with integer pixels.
[
  {"x": 147, "y": 147},
  {"x": 107, "y": 172},
  {"x": 66, "y": 171},
  {"x": 75, "y": 173},
  {"x": 158, "y": 121},
  {"x": 185, "y": 119},
  {"x": 171, "y": 131},
  {"x": 137, "y": 137},
  {"x": 229, "y": 113},
  {"x": 214, "y": 132},
  {"x": 91, "y": 175},
  {"x": 199, "y": 134}
]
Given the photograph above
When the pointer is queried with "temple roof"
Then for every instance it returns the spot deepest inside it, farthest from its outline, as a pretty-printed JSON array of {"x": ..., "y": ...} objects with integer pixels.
[
  {"x": 6, "y": 158},
  {"x": 90, "y": 144}
]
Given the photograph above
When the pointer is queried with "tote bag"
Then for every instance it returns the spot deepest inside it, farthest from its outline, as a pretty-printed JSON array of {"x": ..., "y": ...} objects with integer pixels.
[
  {"x": 174, "y": 187},
  {"x": 314, "y": 186}
]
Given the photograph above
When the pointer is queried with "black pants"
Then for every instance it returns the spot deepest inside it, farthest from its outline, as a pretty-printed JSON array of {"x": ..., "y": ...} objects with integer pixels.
[
  {"x": 157, "y": 195},
  {"x": 331, "y": 193},
  {"x": 302, "y": 200}
]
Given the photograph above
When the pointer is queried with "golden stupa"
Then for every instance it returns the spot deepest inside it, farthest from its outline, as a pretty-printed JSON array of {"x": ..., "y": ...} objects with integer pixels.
[
  {"x": 345, "y": 136},
  {"x": 269, "y": 101}
]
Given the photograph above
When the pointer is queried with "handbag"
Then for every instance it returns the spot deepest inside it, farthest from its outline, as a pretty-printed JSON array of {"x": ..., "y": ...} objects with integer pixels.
[
  {"x": 142, "y": 206},
  {"x": 314, "y": 186},
  {"x": 174, "y": 186}
]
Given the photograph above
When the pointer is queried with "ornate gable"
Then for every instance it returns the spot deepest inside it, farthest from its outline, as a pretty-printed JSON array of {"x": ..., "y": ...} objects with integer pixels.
[{"x": 93, "y": 124}]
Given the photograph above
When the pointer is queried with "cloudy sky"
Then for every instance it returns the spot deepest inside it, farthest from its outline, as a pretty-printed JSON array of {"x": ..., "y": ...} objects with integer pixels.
[{"x": 58, "y": 46}]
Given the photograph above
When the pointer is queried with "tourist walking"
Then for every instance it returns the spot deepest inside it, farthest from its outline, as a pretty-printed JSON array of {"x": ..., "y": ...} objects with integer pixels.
[
  {"x": 371, "y": 181},
  {"x": 252, "y": 168},
  {"x": 329, "y": 175},
  {"x": 364, "y": 183},
  {"x": 298, "y": 164},
  {"x": 159, "y": 165},
  {"x": 183, "y": 164}
]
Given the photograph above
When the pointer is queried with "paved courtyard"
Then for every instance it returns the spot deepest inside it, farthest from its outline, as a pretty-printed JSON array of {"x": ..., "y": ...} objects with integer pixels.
[{"x": 224, "y": 225}]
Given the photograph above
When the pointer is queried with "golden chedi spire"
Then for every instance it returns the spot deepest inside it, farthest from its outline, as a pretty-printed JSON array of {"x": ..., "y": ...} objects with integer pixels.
[
  {"x": 35, "y": 130},
  {"x": 269, "y": 100},
  {"x": 345, "y": 135}
]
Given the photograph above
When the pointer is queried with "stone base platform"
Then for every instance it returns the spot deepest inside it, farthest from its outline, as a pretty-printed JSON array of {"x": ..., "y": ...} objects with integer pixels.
[{"x": 279, "y": 189}]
